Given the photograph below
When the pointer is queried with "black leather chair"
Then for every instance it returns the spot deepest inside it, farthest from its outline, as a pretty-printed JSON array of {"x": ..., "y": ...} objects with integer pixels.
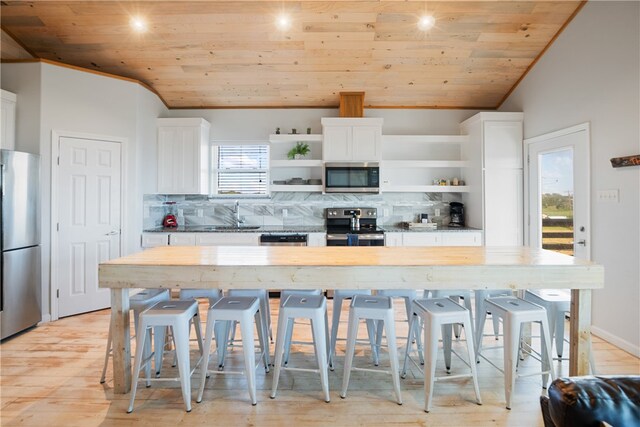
[{"x": 592, "y": 401}]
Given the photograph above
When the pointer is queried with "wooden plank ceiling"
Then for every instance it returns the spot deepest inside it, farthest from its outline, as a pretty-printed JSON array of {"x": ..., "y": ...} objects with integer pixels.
[{"x": 231, "y": 54}]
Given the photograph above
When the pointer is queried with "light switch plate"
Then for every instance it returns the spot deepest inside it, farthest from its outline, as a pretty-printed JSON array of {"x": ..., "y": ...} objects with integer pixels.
[
  {"x": 200, "y": 212},
  {"x": 608, "y": 196}
]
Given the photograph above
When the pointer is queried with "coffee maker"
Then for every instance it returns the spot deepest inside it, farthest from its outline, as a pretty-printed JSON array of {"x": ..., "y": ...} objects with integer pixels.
[{"x": 456, "y": 212}]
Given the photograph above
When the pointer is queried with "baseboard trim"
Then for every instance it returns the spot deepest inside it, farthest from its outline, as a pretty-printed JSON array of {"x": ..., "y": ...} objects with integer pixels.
[
  {"x": 617, "y": 341},
  {"x": 46, "y": 318}
]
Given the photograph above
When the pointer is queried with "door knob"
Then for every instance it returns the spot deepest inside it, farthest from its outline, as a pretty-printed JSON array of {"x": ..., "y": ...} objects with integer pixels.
[{"x": 581, "y": 242}]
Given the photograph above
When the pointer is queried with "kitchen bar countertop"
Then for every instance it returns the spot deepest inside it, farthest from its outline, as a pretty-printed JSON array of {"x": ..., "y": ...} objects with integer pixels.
[{"x": 277, "y": 267}]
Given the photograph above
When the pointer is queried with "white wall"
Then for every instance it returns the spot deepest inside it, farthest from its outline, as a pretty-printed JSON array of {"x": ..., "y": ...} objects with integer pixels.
[{"x": 592, "y": 74}]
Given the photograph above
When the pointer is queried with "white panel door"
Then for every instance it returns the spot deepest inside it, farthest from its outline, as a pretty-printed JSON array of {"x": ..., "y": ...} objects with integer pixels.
[
  {"x": 89, "y": 221},
  {"x": 366, "y": 143}
]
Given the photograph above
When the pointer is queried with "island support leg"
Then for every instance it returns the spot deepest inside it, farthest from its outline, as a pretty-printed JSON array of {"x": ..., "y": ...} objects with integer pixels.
[
  {"x": 121, "y": 340},
  {"x": 580, "y": 332}
]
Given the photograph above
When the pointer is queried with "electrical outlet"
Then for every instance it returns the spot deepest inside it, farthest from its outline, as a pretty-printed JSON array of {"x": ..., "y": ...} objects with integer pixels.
[
  {"x": 147, "y": 212},
  {"x": 285, "y": 213},
  {"x": 385, "y": 212},
  {"x": 608, "y": 196},
  {"x": 437, "y": 212},
  {"x": 200, "y": 212},
  {"x": 180, "y": 212}
]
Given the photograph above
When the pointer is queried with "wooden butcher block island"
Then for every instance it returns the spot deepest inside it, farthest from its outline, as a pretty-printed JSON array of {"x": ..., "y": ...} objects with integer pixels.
[{"x": 276, "y": 267}]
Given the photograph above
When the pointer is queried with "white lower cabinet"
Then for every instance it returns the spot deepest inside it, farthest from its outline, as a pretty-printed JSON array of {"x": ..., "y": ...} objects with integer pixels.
[
  {"x": 393, "y": 239},
  {"x": 463, "y": 238},
  {"x": 421, "y": 239},
  {"x": 227, "y": 239},
  {"x": 316, "y": 239},
  {"x": 152, "y": 240},
  {"x": 182, "y": 239}
]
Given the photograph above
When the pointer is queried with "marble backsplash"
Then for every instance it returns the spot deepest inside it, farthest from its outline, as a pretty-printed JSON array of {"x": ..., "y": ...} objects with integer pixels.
[{"x": 294, "y": 209}]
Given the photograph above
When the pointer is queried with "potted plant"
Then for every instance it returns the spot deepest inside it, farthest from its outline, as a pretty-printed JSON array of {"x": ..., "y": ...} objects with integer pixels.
[{"x": 300, "y": 150}]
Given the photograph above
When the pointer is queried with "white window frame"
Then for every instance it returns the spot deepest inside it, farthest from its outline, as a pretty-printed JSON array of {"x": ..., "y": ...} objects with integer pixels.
[{"x": 215, "y": 170}]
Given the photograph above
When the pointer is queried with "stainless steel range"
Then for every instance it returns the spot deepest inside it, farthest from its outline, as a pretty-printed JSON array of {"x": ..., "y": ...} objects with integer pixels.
[{"x": 353, "y": 227}]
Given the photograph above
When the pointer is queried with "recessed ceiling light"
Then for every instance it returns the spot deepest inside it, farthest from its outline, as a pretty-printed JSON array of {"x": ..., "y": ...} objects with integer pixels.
[
  {"x": 426, "y": 22},
  {"x": 138, "y": 24},
  {"x": 283, "y": 22}
]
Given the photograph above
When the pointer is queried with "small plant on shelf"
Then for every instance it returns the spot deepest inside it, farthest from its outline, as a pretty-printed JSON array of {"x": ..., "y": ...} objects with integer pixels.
[{"x": 300, "y": 150}]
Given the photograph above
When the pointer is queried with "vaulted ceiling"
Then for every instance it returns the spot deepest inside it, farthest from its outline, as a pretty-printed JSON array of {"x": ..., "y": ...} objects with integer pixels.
[{"x": 223, "y": 54}]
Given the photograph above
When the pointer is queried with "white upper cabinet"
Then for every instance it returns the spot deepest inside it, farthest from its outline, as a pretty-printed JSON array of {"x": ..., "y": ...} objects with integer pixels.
[
  {"x": 494, "y": 153},
  {"x": 351, "y": 139},
  {"x": 183, "y": 156},
  {"x": 502, "y": 144},
  {"x": 8, "y": 125}
]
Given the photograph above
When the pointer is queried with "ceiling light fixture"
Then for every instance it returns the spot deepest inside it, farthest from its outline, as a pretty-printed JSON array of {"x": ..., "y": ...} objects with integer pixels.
[
  {"x": 283, "y": 22},
  {"x": 426, "y": 22},
  {"x": 138, "y": 24}
]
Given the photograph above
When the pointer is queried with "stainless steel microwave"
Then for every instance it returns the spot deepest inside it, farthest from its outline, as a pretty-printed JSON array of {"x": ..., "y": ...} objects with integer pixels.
[{"x": 352, "y": 177}]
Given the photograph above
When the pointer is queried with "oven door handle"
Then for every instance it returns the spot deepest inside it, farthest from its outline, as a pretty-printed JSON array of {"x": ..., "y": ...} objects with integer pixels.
[
  {"x": 371, "y": 236},
  {"x": 341, "y": 237},
  {"x": 336, "y": 237}
]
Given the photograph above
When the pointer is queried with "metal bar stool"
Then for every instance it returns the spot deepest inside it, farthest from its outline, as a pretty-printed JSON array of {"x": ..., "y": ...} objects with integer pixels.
[
  {"x": 371, "y": 308},
  {"x": 441, "y": 314},
  {"x": 244, "y": 310},
  {"x": 408, "y": 295},
  {"x": 339, "y": 295},
  {"x": 265, "y": 310},
  {"x": 455, "y": 295},
  {"x": 138, "y": 303},
  {"x": 313, "y": 308},
  {"x": 284, "y": 294},
  {"x": 481, "y": 312},
  {"x": 514, "y": 312},
  {"x": 178, "y": 315}
]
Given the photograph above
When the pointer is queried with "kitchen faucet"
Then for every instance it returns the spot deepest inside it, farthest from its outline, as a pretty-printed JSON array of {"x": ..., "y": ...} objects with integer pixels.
[{"x": 239, "y": 220}]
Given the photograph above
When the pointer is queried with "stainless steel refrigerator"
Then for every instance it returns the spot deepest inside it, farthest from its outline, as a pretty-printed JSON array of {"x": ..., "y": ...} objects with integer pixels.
[{"x": 20, "y": 269}]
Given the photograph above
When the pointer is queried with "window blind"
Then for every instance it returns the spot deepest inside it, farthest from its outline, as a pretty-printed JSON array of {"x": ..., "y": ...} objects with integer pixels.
[{"x": 242, "y": 169}]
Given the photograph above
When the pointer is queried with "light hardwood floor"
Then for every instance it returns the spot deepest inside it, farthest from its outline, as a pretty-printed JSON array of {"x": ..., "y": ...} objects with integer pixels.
[{"x": 50, "y": 377}]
